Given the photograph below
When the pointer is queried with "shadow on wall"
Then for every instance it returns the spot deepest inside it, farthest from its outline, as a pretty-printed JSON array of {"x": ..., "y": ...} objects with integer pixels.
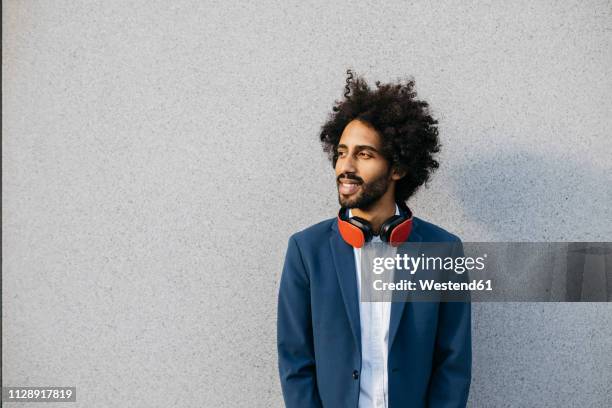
[{"x": 524, "y": 196}]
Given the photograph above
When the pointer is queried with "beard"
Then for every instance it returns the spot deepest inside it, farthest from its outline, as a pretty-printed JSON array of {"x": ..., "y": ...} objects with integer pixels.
[{"x": 368, "y": 193}]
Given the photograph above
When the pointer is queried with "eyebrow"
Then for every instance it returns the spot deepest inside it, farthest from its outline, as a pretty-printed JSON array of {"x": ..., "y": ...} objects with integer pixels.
[{"x": 359, "y": 147}]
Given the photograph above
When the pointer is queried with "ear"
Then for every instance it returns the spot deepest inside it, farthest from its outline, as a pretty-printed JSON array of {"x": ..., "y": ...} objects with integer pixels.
[{"x": 397, "y": 173}]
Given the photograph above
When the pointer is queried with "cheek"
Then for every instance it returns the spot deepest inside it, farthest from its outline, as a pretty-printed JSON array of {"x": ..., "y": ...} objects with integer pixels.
[
  {"x": 338, "y": 170},
  {"x": 372, "y": 170}
]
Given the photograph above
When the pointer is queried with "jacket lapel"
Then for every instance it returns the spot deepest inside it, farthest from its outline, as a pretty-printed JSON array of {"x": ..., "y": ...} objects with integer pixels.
[
  {"x": 397, "y": 308},
  {"x": 344, "y": 262}
]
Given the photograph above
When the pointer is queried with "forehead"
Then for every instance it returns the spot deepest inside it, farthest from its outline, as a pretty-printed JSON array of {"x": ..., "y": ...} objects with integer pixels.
[{"x": 359, "y": 133}]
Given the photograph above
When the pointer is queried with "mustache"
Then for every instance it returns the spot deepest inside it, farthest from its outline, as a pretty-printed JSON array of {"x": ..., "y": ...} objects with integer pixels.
[{"x": 349, "y": 176}]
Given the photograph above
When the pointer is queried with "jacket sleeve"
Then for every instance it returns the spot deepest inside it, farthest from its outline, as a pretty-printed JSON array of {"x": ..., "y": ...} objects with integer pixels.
[
  {"x": 452, "y": 364},
  {"x": 296, "y": 360}
]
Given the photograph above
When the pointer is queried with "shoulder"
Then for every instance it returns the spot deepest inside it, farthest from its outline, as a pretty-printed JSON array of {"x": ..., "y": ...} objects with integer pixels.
[
  {"x": 314, "y": 233},
  {"x": 431, "y": 232}
]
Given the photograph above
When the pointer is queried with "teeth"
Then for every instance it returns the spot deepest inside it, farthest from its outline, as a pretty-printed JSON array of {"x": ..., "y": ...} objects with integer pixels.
[{"x": 349, "y": 186}]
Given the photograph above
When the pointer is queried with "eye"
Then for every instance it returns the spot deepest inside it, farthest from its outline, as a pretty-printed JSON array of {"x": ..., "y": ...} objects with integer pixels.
[
  {"x": 364, "y": 155},
  {"x": 341, "y": 154}
]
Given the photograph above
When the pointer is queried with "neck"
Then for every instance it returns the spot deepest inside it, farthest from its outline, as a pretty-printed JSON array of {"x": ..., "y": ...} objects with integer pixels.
[{"x": 378, "y": 212}]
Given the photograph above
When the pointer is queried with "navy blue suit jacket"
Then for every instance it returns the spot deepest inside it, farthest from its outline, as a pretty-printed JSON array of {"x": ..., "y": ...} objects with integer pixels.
[{"x": 318, "y": 330}]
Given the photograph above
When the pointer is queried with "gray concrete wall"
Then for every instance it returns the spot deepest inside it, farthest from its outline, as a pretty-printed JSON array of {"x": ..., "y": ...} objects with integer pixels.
[{"x": 158, "y": 154}]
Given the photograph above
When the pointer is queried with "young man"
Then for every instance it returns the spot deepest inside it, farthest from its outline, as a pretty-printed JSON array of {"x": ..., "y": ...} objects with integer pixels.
[{"x": 333, "y": 350}]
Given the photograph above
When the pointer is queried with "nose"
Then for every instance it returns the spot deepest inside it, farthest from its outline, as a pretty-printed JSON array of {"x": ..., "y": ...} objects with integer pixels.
[{"x": 345, "y": 164}]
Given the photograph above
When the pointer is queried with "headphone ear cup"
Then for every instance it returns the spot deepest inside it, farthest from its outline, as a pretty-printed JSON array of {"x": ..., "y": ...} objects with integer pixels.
[
  {"x": 387, "y": 227},
  {"x": 355, "y": 231}
]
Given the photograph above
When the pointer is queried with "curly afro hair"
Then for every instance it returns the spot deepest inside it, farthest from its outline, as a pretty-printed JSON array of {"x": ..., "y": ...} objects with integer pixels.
[{"x": 409, "y": 133}]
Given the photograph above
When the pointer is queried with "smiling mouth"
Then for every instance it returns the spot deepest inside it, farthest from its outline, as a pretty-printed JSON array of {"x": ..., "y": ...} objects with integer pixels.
[{"x": 348, "y": 187}]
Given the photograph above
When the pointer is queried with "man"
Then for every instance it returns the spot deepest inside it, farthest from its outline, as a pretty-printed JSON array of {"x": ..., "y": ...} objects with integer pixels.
[{"x": 333, "y": 350}]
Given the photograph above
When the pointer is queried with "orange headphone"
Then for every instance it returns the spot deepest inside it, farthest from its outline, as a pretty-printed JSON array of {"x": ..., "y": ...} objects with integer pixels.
[{"x": 356, "y": 231}]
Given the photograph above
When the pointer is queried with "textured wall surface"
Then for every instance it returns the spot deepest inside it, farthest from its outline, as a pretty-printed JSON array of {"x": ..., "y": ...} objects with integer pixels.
[{"x": 156, "y": 157}]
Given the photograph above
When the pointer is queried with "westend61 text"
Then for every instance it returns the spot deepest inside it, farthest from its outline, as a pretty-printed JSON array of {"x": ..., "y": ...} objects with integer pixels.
[{"x": 429, "y": 285}]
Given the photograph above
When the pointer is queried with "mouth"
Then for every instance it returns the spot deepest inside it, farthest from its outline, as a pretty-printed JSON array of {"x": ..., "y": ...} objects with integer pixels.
[{"x": 348, "y": 187}]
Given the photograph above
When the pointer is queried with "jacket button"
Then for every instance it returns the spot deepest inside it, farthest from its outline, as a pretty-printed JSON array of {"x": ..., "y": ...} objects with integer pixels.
[{"x": 355, "y": 374}]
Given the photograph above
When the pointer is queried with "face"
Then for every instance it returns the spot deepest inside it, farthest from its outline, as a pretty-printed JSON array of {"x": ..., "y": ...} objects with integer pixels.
[{"x": 363, "y": 175}]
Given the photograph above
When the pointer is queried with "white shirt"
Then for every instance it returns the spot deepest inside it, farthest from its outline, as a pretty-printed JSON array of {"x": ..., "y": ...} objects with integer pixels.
[{"x": 374, "y": 319}]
